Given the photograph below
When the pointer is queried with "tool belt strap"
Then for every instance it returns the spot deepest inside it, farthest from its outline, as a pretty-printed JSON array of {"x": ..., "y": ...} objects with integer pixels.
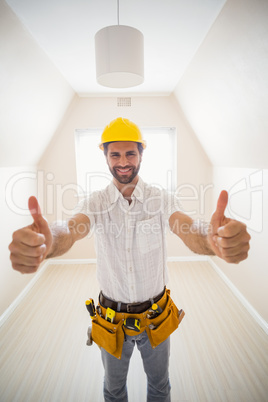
[{"x": 133, "y": 308}]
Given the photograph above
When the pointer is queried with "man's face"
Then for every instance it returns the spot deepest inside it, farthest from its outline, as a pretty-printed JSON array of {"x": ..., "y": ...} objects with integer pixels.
[{"x": 124, "y": 159}]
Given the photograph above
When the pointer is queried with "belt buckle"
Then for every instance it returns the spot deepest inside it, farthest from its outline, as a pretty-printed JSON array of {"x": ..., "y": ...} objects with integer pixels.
[{"x": 130, "y": 305}]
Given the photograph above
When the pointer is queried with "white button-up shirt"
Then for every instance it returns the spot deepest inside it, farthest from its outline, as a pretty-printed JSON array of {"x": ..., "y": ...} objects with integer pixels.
[{"x": 130, "y": 240}]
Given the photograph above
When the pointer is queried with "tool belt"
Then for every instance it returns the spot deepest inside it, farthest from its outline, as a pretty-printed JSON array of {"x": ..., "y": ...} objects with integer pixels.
[{"x": 111, "y": 335}]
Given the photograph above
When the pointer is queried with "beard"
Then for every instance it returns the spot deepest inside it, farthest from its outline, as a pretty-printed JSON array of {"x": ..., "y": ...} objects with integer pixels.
[{"x": 126, "y": 178}]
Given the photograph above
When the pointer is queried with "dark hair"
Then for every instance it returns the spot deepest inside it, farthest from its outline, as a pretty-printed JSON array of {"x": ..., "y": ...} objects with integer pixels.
[{"x": 105, "y": 147}]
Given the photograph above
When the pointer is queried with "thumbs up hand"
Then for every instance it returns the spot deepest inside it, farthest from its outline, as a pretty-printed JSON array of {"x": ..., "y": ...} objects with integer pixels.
[
  {"x": 31, "y": 244},
  {"x": 228, "y": 238},
  {"x": 40, "y": 224}
]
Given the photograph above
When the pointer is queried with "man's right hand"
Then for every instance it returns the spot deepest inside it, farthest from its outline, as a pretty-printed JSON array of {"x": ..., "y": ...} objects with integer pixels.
[{"x": 31, "y": 244}]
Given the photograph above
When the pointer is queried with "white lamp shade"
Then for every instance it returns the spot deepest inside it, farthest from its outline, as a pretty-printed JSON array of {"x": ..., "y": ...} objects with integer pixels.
[{"x": 119, "y": 52}]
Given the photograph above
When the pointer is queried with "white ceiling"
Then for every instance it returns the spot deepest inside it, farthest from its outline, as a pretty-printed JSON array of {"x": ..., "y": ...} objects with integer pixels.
[
  {"x": 212, "y": 55},
  {"x": 173, "y": 31}
]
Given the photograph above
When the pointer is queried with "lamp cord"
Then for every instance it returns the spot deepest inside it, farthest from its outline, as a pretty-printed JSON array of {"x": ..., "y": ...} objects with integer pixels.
[{"x": 117, "y": 12}]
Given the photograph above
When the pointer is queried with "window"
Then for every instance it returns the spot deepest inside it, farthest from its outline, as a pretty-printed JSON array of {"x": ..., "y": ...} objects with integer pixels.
[{"x": 158, "y": 167}]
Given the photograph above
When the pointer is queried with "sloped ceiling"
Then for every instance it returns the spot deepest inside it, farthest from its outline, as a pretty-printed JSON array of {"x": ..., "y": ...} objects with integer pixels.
[
  {"x": 224, "y": 91},
  {"x": 33, "y": 94}
]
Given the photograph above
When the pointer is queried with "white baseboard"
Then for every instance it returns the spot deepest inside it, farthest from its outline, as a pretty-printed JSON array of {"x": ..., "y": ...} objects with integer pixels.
[
  {"x": 251, "y": 310},
  {"x": 232, "y": 287},
  {"x": 60, "y": 261},
  {"x": 188, "y": 258},
  {"x": 23, "y": 293},
  {"x": 236, "y": 292}
]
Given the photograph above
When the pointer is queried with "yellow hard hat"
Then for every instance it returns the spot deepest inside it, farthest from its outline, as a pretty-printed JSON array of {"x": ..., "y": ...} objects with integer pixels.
[{"x": 121, "y": 129}]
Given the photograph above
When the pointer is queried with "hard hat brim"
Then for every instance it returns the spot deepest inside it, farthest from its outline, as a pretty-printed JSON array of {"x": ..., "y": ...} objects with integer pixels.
[{"x": 143, "y": 143}]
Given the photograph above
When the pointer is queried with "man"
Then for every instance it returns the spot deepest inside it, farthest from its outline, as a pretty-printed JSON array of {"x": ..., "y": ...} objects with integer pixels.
[{"x": 129, "y": 218}]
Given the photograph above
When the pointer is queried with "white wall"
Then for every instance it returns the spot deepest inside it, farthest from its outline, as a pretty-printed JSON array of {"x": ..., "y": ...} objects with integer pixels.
[
  {"x": 224, "y": 90},
  {"x": 16, "y": 185},
  {"x": 248, "y": 200},
  {"x": 34, "y": 95},
  {"x": 224, "y": 96},
  {"x": 194, "y": 169},
  {"x": 34, "y": 98}
]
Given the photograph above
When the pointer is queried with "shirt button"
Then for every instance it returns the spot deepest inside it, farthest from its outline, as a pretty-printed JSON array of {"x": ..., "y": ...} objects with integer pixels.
[
  {"x": 128, "y": 250},
  {"x": 130, "y": 268}
]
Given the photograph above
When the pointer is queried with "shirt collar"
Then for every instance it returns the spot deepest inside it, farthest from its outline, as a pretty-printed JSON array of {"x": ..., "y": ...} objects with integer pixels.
[{"x": 138, "y": 192}]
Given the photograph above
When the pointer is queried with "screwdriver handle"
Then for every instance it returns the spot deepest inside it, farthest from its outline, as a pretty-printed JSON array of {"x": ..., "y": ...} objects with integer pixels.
[
  {"x": 91, "y": 307},
  {"x": 156, "y": 309}
]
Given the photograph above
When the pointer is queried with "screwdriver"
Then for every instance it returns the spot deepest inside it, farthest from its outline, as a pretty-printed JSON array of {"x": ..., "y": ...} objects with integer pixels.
[
  {"x": 155, "y": 310},
  {"x": 91, "y": 307}
]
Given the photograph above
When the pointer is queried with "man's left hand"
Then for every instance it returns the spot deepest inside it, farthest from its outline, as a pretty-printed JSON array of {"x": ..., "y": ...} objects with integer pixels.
[{"x": 227, "y": 237}]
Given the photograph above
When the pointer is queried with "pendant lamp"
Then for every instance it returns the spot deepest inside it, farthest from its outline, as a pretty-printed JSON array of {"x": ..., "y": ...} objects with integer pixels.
[{"x": 119, "y": 52}]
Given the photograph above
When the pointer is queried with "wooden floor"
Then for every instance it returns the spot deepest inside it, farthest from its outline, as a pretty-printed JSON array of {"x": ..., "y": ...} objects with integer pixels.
[{"x": 218, "y": 353}]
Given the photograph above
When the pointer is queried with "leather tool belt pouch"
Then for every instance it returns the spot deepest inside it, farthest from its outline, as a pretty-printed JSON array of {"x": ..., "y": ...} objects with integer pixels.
[
  {"x": 160, "y": 328},
  {"x": 110, "y": 336}
]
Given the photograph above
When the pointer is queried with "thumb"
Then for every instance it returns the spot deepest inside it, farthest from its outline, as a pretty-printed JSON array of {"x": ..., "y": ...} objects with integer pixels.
[
  {"x": 218, "y": 218},
  {"x": 221, "y": 205},
  {"x": 35, "y": 210}
]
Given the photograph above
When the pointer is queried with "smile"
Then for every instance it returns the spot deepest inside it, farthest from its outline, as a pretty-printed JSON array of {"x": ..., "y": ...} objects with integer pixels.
[{"x": 123, "y": 171}]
